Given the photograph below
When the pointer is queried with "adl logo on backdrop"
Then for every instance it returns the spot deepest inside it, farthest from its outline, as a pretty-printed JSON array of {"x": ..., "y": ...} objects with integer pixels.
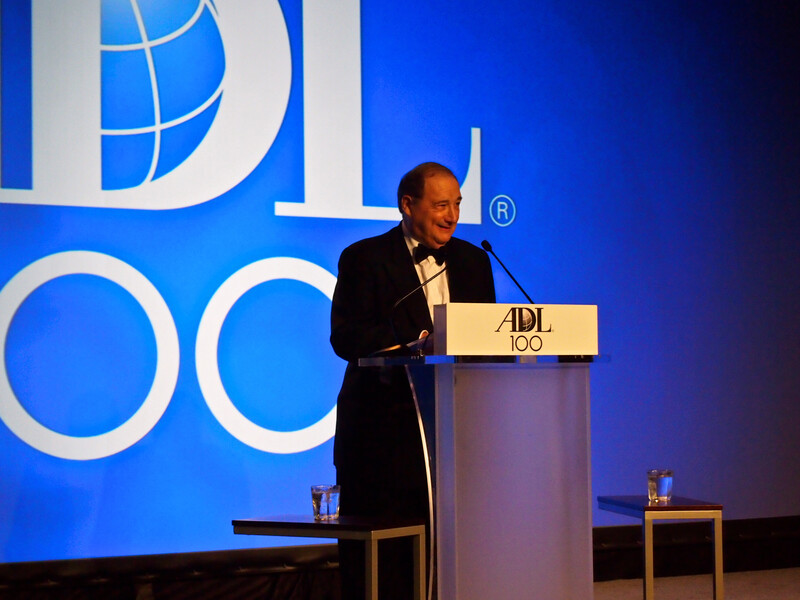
[
  {"x": 143, "y": 105},
  {"x": 168, "y": 105}
]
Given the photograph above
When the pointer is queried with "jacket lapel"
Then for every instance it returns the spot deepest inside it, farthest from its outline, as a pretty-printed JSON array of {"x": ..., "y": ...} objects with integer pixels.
[
  {"x": 412, "y": 316},
  {"x": 458, "y": 278}
]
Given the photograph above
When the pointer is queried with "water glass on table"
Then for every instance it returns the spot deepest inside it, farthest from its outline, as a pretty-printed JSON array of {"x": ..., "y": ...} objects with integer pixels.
[
  {"x": 659, "y": 485},
  {"x": 325, "y": 500}
]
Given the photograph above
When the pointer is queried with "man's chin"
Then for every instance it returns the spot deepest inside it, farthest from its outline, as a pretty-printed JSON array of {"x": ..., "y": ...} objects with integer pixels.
[{"x": 443, "y": 238}]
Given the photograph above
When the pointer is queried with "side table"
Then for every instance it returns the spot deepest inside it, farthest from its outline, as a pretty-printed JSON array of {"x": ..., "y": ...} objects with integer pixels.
[
  {"x": 677, "y": 508},
  {"x": 348, "y": 528}
]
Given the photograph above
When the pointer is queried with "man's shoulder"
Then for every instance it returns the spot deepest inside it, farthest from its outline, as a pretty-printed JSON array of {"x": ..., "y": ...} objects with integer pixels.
[
  {"x": 374, "y": 245},
  {"x": 463, "y": 247}
]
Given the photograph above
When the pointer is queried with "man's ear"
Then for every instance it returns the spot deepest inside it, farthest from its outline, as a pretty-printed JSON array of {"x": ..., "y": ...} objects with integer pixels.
[{"x": 405, "y": 204}]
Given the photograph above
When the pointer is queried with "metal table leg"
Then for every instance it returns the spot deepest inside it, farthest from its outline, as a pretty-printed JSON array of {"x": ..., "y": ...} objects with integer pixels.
[
  {"x": 715, "y": 516},
  {"x": 371, "y": 569},
  {"x": 647, "y": 543},
  {"x": 719, "y": 586},
  {"x": 419, "y": 567}
]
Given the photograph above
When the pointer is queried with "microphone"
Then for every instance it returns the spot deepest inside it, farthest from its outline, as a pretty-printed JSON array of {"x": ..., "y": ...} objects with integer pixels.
[
  {"x": 416, "y": 289},
  {"x": 488, "y": 247}
]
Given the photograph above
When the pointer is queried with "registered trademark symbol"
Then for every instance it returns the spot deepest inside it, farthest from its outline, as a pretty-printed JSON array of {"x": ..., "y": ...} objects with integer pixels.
[{"x": 502, "y": 210}]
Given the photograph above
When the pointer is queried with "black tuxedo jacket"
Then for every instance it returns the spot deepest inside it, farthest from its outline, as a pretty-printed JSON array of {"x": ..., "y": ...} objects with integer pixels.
[{"x": 376, "y": 432}]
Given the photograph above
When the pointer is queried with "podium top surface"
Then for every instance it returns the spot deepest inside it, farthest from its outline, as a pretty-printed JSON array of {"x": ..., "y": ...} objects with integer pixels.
[{"x": 447, "y": 359}]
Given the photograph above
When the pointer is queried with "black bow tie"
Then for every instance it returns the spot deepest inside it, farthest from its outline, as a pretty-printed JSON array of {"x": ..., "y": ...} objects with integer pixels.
[{"x": 422, "y": 252}]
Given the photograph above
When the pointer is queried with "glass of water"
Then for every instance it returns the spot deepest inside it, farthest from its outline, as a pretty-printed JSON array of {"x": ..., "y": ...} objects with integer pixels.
[
  {"x": 659, "y": 485},
  {"x": 325, "y": 501}
]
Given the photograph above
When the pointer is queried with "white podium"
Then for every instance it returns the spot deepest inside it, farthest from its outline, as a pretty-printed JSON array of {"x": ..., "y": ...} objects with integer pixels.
[
  {"x": 513, "y": 488},
  {"x": 508, "y": 441}
]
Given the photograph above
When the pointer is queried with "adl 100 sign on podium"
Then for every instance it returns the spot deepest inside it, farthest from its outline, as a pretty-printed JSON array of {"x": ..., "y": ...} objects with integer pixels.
[{"x": 472, "y": 329}]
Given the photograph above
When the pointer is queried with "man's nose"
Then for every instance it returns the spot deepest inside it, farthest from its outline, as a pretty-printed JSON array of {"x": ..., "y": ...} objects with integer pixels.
[{"x": 452, "y": 213}]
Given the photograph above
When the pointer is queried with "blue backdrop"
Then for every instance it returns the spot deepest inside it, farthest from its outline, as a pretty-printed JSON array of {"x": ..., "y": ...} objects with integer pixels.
[{"x": 177, "y": 181}]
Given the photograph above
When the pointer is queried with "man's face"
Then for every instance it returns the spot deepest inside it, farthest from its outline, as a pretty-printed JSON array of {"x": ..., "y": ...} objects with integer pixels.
[{"x": 432, "y": 218}]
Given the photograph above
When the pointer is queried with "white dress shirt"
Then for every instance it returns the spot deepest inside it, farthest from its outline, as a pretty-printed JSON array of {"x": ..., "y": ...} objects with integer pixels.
[{"x": 438, "y": 290}]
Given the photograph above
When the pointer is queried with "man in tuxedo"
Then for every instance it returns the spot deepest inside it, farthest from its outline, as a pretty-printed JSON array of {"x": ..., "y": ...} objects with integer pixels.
[{"x": 378, "y": 449}]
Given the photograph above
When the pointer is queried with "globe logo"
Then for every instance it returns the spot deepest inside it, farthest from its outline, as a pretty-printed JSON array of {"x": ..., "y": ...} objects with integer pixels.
[{"x": 162, "y": 67}]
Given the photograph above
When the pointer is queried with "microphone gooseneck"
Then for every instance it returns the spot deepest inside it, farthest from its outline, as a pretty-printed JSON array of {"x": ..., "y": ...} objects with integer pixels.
[
  {"x": 399, "y": 302},
  {"x": 488, "y": 247}
]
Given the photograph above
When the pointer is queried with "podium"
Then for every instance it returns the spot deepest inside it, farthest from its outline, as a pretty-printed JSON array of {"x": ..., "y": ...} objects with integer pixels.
[{"x": 508, "y": 441}]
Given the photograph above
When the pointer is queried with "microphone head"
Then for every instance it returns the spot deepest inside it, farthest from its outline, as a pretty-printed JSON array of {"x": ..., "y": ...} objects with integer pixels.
[{"x": 486, "y": 245}]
